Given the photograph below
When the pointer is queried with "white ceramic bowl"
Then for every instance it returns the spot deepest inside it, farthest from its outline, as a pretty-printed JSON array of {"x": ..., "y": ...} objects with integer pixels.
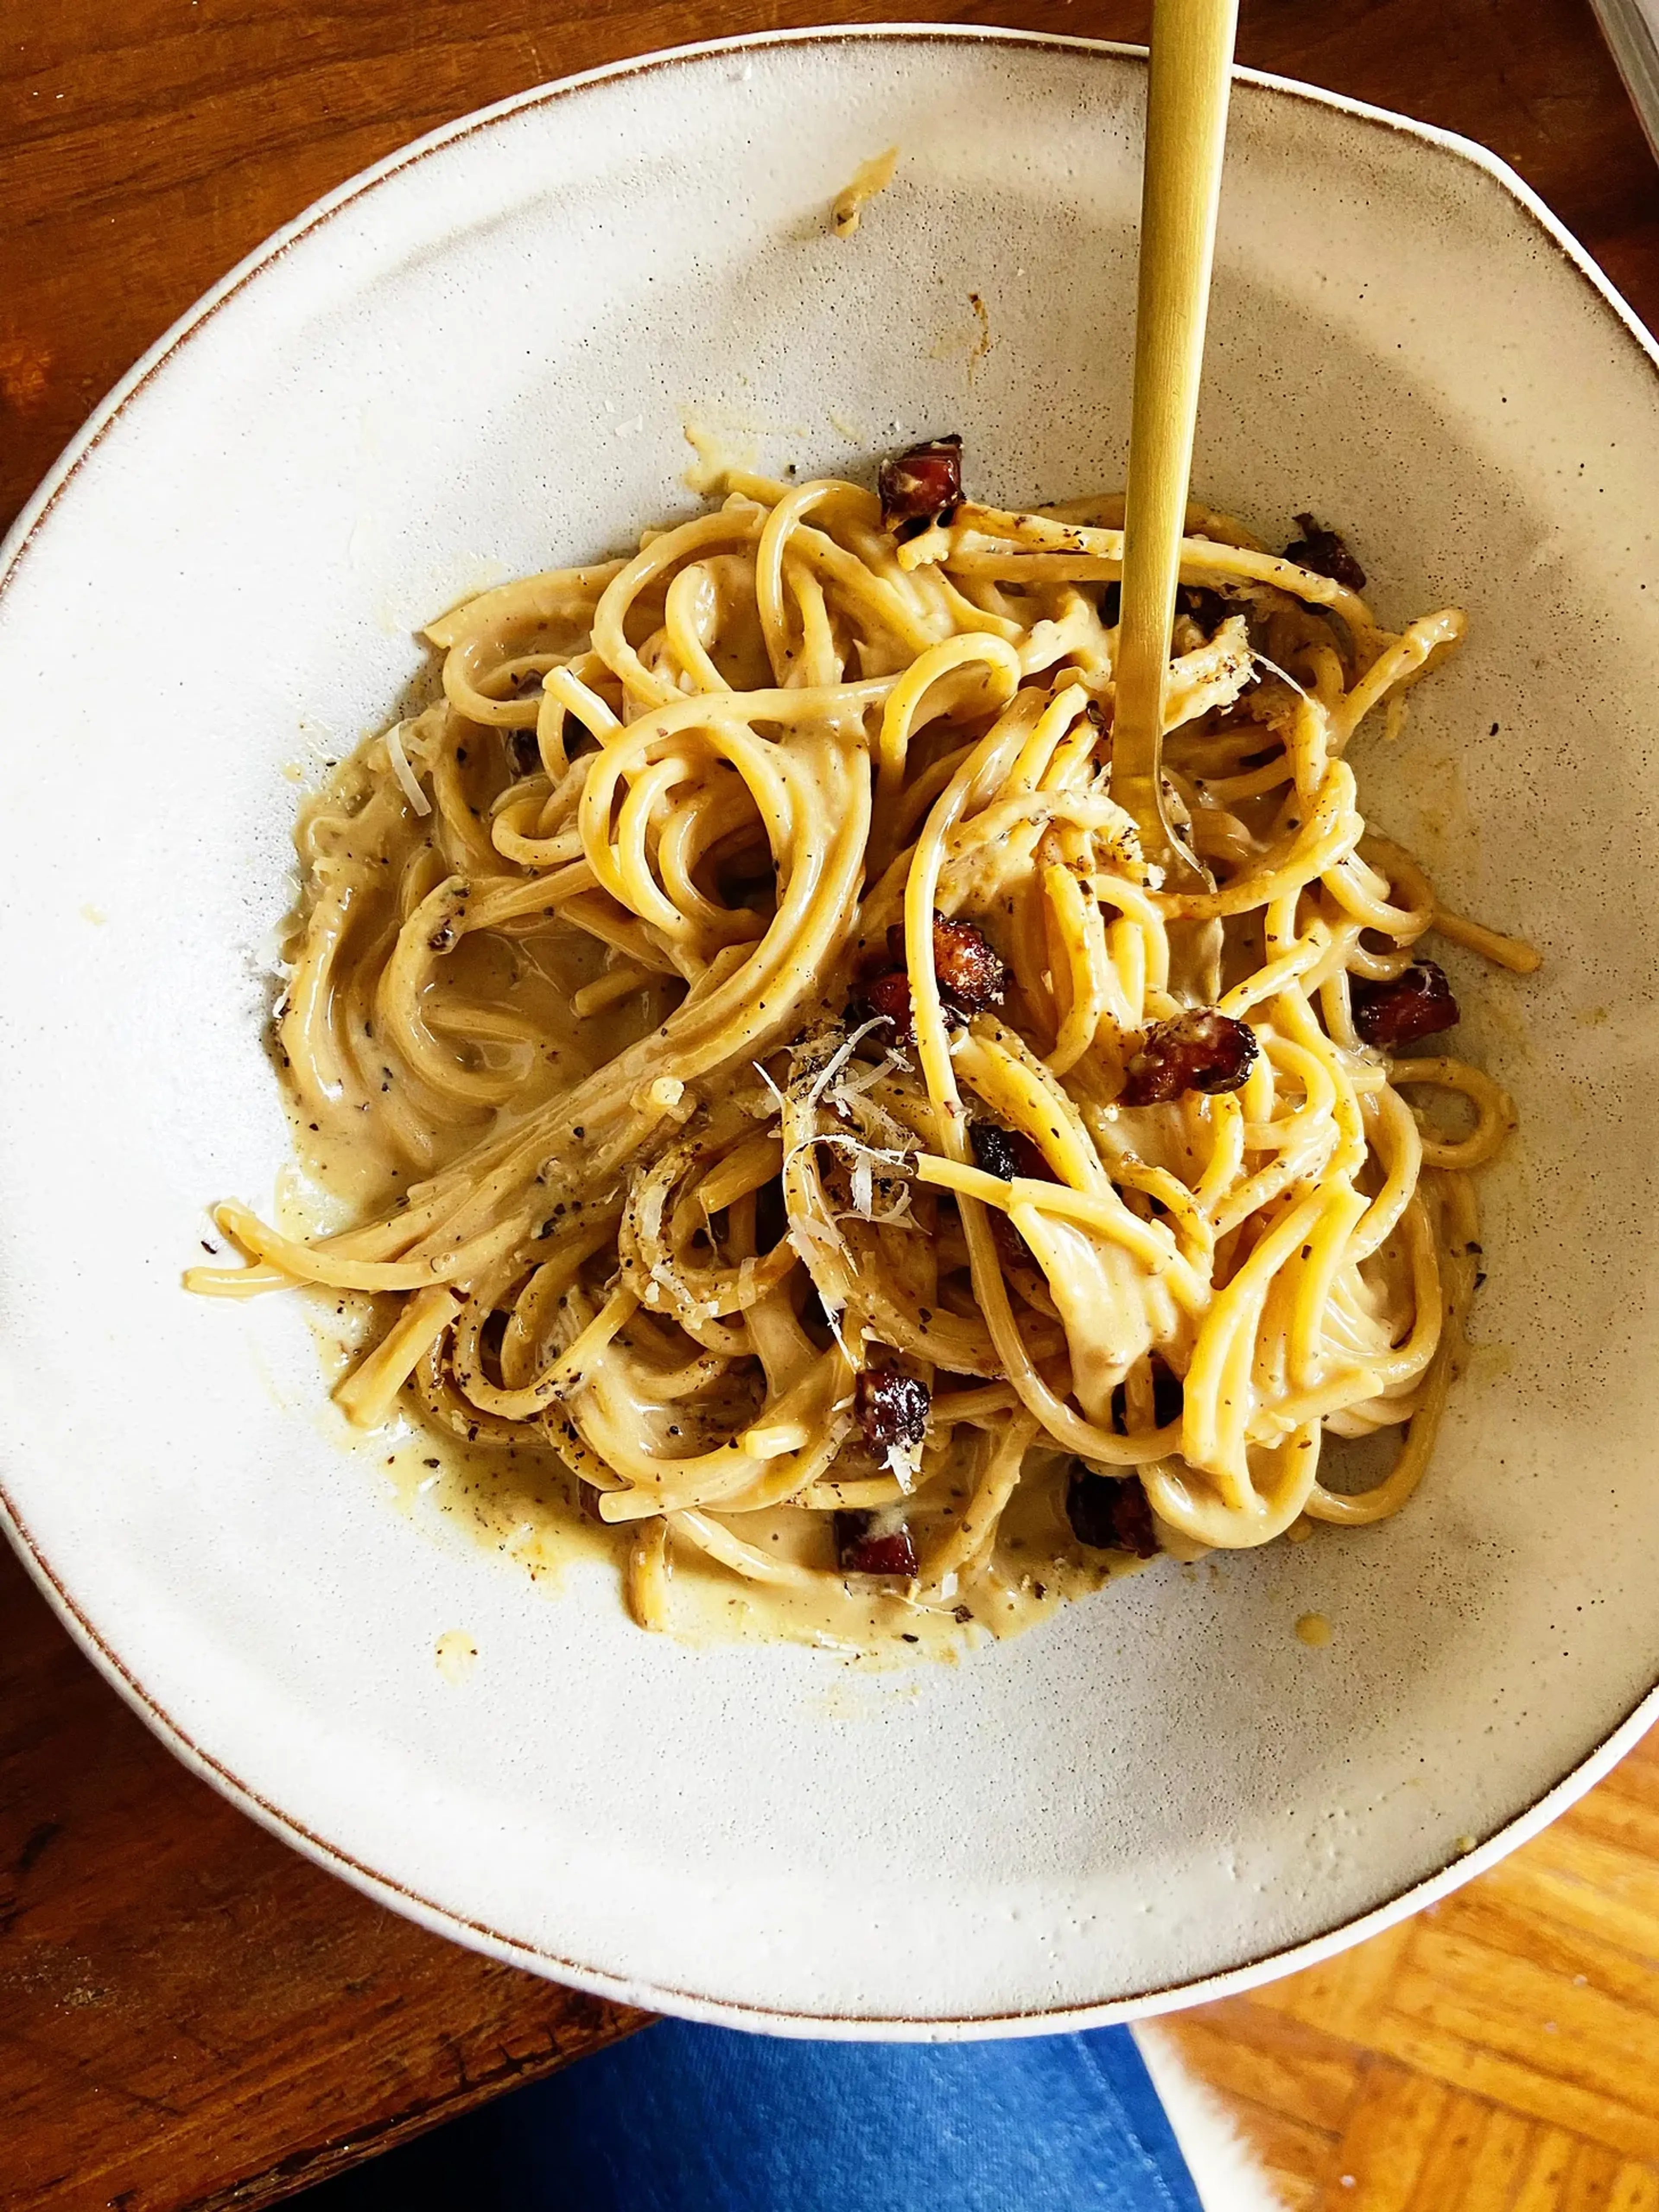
[{"x": 477, "y": 360}]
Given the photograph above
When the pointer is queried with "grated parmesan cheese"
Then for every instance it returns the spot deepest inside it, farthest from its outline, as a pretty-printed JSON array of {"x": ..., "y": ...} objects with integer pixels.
[{"x": 406, "y": 775}]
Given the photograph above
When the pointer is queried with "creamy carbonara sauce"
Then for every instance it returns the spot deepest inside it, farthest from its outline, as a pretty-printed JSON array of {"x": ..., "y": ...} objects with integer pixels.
[{"x": 779, "y": 1131}]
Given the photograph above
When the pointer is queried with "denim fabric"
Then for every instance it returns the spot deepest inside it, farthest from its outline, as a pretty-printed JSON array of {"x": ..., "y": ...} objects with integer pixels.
[{"x": 702, "y": 2120}]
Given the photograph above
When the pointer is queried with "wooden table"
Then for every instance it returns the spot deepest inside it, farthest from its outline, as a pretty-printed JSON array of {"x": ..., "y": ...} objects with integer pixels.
[{"x": 192, "y": 2015}]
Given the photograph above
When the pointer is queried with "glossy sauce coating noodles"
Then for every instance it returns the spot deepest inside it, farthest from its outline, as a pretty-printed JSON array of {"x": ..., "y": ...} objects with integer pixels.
[{"x": 788, "y": 1104}]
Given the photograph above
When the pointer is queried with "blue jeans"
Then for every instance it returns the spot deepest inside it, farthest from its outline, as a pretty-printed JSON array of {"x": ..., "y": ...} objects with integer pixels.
[{"x": 703, "y": 2119}]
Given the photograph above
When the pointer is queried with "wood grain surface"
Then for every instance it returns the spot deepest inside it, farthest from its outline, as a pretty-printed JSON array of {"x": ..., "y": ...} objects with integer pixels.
[
  {"x": 189, "y": 2008},
  {"x": 1498, "y": 2053},
  {"x": 190, "y": 2014}
]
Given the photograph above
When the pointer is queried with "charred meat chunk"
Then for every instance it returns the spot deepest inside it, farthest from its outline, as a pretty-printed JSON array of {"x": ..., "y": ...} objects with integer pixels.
[
  {"x": 921, "y": 487},
  {"x": 1005, "y": 1153},
  {"x": 865, "y": 1546},
  {"x": 1416, "y": 1004},
  {"x": 1325, "y": 552},
  {"x": 891, "y": 1407},
  {"x": 970, "y": 976},
  {"x": 995, "y": 1150},
  {"x": 886, "y": 998},
  {"x": 1110, "y": 1512},
  {"x": 1203, "y": 1050}
]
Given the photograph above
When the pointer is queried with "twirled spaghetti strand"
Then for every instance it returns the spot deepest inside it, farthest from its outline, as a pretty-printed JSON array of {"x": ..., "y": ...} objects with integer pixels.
[{"x": 627, "y": 979}]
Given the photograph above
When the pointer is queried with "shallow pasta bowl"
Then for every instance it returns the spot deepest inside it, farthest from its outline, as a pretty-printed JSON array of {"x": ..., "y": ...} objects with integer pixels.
[{"x": 480, "y": 358}]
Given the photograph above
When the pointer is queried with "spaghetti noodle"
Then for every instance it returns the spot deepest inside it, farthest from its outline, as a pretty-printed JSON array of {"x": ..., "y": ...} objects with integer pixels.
[{"x": 788, "y": 1107}]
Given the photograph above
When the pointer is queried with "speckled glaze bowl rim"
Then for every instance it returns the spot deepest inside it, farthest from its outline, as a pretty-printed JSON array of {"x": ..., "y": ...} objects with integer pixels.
[{"x": 55, "y": 1586}]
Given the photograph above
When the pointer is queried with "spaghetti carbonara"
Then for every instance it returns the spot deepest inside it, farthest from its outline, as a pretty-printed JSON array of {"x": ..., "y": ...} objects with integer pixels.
[{"x": 787, "y": 1108}]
